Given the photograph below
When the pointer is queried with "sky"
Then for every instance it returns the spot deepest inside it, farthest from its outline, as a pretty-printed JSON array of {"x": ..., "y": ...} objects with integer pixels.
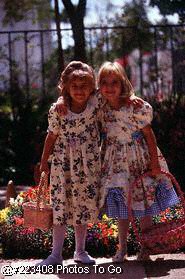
[{"x": 96, "y": 9}]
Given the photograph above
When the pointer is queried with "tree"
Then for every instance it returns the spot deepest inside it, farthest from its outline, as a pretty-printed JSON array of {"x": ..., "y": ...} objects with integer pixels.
[
  {"x": 22, "y": 115},
  {"x": 60, "y": 50},
  {"x": 167, "y": 7},
  {"x": 18, "y": 10},
  {"x": 138, "y": 33},
  {"x": 76, "y": 16}
]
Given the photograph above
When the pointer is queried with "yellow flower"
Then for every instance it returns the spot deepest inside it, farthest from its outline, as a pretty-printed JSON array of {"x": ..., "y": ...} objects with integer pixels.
[
  {"x": 3, "y": 215},
  {"x": 114, "y": 227},
  {"x": 115, "y": 230},
  {"x": 105, "y": 218}
]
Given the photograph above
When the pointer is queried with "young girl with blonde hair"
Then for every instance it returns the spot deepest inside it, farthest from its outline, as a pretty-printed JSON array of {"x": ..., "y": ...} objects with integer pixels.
[{"x": 129, "y": 150}]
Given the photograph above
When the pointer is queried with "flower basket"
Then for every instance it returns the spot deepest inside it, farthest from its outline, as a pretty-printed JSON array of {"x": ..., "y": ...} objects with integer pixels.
[
  {"x": 39, "y": 214},
  {"x": 164, "y": 237}
]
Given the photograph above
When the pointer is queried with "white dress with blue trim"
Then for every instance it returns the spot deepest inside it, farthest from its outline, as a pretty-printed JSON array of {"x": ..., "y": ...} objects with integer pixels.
[{"x": 125, "y": 157}]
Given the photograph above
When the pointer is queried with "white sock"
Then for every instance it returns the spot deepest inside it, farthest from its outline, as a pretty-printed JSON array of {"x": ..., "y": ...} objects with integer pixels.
[
  {"x": 58, "y": 241},
  {"x": 56, "y": 255},
  {"x": 80, "y": 237}
]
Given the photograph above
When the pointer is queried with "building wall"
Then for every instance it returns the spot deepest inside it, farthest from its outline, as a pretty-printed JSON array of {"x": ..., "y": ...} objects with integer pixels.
[{"x": 18, "y": 48}]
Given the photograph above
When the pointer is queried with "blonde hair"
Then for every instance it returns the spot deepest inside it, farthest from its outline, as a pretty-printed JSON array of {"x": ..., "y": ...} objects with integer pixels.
[
  {"x": 74, "y": 70},
  {"x": 116, "y": 69}
]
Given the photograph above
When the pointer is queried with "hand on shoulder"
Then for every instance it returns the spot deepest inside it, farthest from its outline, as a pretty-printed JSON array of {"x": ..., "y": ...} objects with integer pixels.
[
  {"x": 134, "y": 101},
  {"x": 60, "y": 106}
]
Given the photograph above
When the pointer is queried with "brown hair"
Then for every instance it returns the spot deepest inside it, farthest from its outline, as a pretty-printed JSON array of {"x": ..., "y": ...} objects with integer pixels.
[
  {"x": 74, "y": 70},
  {"x": 115, "y": 68}
]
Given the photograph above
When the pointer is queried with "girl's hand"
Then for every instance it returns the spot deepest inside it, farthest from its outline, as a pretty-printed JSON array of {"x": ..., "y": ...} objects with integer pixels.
[
  {"x": 44, "y": 167},
  {"x": 61, "y": 107},
  {"x": 135, "y": 101}
]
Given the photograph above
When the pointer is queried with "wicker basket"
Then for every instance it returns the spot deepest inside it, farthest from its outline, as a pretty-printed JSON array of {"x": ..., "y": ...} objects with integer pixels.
[
  {"x": 39, "y": 214},
  {"x": 164, "y": 237}
]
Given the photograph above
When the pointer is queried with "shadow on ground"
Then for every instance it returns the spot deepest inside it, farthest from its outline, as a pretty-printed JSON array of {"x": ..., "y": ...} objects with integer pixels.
[{"x": 161, "y": 267}]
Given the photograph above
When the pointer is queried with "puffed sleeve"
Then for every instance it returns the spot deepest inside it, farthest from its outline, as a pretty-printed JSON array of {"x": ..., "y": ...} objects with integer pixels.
[
  {"x": 143, "y": 115},
  {"x": 53, "y": 120}
]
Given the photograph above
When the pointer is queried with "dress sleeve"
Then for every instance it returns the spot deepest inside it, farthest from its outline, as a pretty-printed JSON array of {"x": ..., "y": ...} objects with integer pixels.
[
  {"x": 143, "y": 115},
  {"x": 53, "y": 120}
]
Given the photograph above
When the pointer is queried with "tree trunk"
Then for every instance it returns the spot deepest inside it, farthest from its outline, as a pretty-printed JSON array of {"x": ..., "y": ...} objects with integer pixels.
[
  {"x": 79, "y": 40},
  {"x": 76, "y": 15},
  {"x": 59, "y": 38}
]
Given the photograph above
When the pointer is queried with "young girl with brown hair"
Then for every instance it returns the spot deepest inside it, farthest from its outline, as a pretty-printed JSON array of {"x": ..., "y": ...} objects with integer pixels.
[{"x": 73, "y": 140}]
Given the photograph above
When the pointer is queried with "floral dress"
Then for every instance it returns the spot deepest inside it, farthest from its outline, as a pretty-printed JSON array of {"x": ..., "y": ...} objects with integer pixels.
[
  {"x": 75, "y": 165},
  {"x": 125, "y": 157}
]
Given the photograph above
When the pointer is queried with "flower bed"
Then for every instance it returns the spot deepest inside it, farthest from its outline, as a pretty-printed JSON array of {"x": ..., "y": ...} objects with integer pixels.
[
  {"x": 102, "y": 238},
  {"x": 18, "y": 241}
]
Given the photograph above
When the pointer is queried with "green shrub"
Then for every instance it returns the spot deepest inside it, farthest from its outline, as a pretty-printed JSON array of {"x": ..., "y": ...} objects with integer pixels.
[{"x": 169, "y": 128}]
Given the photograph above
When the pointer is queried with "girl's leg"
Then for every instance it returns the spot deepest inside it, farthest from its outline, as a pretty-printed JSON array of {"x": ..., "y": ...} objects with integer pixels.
[
  {"x": 80, "y": 255},
  {"x": 58, "y": 241},
  {"x": 123, "y": 225},
  {"x": 145, "y": 223}
]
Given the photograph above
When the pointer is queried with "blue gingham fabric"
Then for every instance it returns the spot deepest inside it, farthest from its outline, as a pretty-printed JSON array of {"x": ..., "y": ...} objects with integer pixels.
[
  {"x": 165, "y": 197},
  {"x": 116, "y": 208}
]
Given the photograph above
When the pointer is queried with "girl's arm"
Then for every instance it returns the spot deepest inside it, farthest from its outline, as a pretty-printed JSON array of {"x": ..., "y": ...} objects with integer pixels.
[
  {"x": 47, "y": 150},
  {"x": 61, "y": 106},
  {"x": 152, "y": 147}
]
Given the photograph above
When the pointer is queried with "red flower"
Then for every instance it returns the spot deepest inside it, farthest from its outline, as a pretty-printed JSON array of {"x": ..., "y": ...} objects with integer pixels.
[
  {"x": 90, "y": 225},
  {"x": 18, "y": 221}
]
